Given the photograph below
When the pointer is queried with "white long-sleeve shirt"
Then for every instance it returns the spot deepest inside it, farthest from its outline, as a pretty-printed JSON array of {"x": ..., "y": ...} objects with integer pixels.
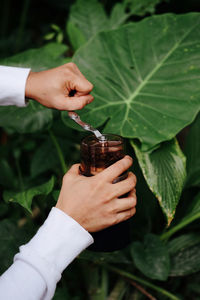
[{"x": 38, "y": 266}]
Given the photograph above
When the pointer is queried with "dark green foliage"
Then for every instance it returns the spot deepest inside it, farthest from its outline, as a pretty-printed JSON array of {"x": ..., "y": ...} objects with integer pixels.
[{"x": 151, "y": 257}]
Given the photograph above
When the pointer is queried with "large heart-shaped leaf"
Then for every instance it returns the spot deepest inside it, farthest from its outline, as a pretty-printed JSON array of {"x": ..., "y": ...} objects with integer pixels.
[
  {"x": 89, "y": 16},
  {"x": 25, "y": 198},
  {"x": 75, "y": 35},
  {"x": 146, "y": 77},
  {"x": 151, "y": 257},
  {"x": 192, "y": 152},
  {"x": 165, "y": 172},
  {"x": 28, "y": 119}
]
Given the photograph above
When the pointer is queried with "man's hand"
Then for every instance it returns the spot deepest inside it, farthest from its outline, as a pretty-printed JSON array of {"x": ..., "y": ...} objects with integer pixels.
[
  {"x": 52, "y": 88},
  {"x": 94, "y": 201}
]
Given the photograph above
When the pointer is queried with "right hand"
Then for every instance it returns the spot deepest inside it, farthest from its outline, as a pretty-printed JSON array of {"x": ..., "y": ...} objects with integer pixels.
[
  {"x": 94, "y": 201},
  {"x": 52, "y": 88}
]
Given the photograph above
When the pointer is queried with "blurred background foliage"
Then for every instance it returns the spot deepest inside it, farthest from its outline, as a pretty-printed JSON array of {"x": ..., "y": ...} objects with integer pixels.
[{"x": 154, "y": 266}]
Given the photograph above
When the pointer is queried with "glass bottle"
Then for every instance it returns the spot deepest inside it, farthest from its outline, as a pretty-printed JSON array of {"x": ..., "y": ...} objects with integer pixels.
[{"x": 96, "y": 155}]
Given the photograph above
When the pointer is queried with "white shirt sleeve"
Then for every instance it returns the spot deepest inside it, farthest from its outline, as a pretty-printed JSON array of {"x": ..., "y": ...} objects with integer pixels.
[
  {"x": 38, "y": 266},
  {"x": 12, "y": 85}
]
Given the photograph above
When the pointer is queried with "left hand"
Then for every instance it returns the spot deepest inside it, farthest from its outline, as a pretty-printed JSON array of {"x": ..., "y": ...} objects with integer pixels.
[{"x": 52, "y": 88}]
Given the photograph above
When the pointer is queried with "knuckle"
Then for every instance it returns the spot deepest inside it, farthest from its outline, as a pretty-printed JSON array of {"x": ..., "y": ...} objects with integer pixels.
[
  {"x": 122, "y": 164},
  {"x": 115, "y": 219},
  {"x": 132, "y": 201},
  {"x": 71, "y": 65},
  {"x": 82, "y": 104},
  {"x": 90, "y": 85},
  {"x": 107, "y": 196},
  {"x": 132, "y": 178},
  {"x": 113, "y": 208},
  {"x": 132, "y": 212},
  {"x": 65, "y": 177}
]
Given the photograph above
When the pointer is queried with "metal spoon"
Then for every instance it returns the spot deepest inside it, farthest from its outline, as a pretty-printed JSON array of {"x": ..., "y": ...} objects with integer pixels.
[{"x": 76, "y": 118}]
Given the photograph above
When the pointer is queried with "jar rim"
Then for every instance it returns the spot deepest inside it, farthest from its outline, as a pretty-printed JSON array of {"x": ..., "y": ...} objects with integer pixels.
[{"x": 113, "y": 137}]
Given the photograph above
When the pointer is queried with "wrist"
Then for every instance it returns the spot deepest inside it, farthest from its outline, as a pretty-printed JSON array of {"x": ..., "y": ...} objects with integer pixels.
[{"x": 29, "y": 89}]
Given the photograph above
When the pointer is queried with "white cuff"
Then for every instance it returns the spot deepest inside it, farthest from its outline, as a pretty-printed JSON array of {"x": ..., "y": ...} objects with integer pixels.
[
  {"x": 58, "y": 241},
  {"x": 12, "y": 85}
]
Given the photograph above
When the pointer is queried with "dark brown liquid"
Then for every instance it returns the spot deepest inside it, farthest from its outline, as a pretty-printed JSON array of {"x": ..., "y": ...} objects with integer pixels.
[{"x": 95, "y": 157}]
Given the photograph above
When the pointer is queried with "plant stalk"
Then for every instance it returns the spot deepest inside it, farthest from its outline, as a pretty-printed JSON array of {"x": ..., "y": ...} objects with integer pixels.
[
  {"x": 21, "y": 183},
  {"x": 142, "y": 281},
  {"x": 165, "y": 236},
  {"x": 59, "y": 151}
]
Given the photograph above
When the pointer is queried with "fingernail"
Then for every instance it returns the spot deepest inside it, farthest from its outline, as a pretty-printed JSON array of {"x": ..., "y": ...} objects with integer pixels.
[{"x": 129, "y": 157}]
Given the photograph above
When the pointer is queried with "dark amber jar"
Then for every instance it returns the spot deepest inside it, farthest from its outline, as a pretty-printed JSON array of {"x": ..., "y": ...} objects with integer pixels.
[{"x": 96, "y": 155}]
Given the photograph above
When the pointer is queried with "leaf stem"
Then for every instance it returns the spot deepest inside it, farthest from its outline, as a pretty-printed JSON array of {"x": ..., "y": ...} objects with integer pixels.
[
  {"x": 166, "y": 235},
  {"x": 59, "y": 151},
  {"x": 142, "y": 281},
  {"x": 21, "y": 183}
]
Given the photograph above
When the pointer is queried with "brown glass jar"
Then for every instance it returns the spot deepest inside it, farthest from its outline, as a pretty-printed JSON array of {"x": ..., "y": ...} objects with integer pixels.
[{"x": 96, "y": 155}]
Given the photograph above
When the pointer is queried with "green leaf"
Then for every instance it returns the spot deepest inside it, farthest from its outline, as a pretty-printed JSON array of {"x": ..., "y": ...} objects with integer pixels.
[
  {"x": 7, "y": 177},
  {"x": 151, "y": 257},
  {"x": 89, "y": 16},
  {"x": 117, "y": 257},
  {"x": 186, "y": 262},
  {"x": 43, "y": 159},
  {"x": 192, "y": 151},
  {"x": 55, "y": 27},
  {"x": 28, "y": 119},
  {"x": 11, "y": 237},
  {"x": 183, "y": 242},
  {"x": 193, "y": 210},
  {"x": 141, "y": 7},
  {"x": 59, "y": 37},
  {"x": 48, "y": 56},
  {"x": 164, "y": 171},
  {"x": 192, "y": 215},
  {"x": 49, "y": 36},
  {"x": 75, "y": 35},
  {"x": 25, "y": 198},
  {"x": 118, "y": 15},
  {"x": 146, "y": 77}
]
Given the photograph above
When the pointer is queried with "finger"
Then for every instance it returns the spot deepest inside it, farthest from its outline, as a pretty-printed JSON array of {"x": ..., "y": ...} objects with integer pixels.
[
  {"x": 124, "y": 204},
  {"x": 74, "y": 103},
  {"x": 116, "y": 169},
  {"x": 125, "y": 185},
  {"x": 125, "y": 215},
  {"x": 82, "y": 85},
  {"x": 132, "y": 193}
]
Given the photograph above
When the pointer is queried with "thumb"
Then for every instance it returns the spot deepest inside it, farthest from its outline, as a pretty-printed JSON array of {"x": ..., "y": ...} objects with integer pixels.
[
  {"x": 82, "y": 85},
  {"x": 74, "y": 169},
  {"x": 74, "y": 103}
]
